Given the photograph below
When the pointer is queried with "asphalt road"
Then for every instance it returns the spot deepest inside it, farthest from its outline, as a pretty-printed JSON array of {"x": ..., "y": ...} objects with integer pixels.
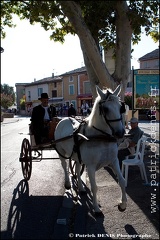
[{"x": 29, "y": 210}]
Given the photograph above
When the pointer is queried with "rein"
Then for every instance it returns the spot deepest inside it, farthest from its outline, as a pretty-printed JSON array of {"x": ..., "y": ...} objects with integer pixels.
[{"x": 109, "y": 137}]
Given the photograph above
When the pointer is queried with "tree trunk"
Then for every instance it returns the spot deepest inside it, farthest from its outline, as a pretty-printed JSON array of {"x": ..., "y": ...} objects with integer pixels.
[
  {"x": 96, "y": 68},
  {"x": 123, "y": 46}
]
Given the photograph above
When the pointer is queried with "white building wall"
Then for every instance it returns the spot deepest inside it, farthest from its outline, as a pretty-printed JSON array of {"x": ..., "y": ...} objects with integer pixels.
[{"x": 34, "y": 92}]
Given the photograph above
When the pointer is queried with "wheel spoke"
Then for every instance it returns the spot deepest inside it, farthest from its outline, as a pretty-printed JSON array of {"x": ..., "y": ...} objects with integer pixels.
[{"x": 26, "y": 163}]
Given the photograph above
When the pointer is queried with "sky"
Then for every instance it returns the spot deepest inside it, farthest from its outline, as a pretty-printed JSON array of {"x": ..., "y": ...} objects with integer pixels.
[{"x": 30, "y": 54}]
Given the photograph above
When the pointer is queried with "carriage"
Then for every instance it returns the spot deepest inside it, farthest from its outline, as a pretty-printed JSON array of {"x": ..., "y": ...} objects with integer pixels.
[
  {"x": 91, "y": 143},
  {"x": 30, "y": 152}
]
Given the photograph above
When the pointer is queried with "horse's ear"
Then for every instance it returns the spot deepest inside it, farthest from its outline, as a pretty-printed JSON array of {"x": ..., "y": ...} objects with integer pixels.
[
  {"x": 99, "y": 92},
  {"x": 117, "y": 90}
]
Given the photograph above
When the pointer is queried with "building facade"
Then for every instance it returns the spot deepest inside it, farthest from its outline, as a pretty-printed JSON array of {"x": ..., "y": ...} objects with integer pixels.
[
  {"x": 77, "y": 88},
  {"x": 150, "y": 60},
  {"x": 74, "y": 86}
]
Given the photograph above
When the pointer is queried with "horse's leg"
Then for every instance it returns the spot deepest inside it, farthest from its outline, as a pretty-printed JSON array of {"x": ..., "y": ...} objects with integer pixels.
[
  {"x": 116, "y": 168},
  {"x": 67, "y": 183},
  {"x": 80, "y": 185},
  {"x": 91, "y": 175}
]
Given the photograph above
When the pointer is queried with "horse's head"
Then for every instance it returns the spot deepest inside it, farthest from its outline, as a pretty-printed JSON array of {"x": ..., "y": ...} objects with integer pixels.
[{"x": 110, "y": 109}]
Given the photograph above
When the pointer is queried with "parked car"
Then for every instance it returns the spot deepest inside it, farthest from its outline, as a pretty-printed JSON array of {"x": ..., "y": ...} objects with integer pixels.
[{"x": 151, "y": 114}]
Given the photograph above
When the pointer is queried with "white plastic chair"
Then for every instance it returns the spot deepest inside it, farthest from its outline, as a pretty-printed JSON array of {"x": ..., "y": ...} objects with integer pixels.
[{"x": 137, "y": 160}]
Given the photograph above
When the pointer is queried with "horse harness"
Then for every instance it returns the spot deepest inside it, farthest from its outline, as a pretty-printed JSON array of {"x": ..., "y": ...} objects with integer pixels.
[
  {"x": 77, "y": 142},
  {"x": 103, "y": 136},
  {"x": 102, "y": 112}
]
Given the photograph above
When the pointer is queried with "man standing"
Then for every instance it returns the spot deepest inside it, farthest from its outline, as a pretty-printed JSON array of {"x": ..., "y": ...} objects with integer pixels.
[
  {"x": 84, "y": 108},
  {"x": 126, "y": 115},
  {"x": 71, "y": 111},
  {"x": 42, "y": 115}
]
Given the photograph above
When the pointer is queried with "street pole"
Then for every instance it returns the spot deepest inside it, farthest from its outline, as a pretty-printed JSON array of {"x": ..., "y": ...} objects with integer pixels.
[{"x": 132, "y": 91}]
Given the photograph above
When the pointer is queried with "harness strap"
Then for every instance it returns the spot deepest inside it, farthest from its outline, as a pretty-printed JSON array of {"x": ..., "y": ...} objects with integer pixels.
[
  {"x": 102, "y": 112},
  {"x": 110, "y": 137},
  {"x": 76, "y": 147}
]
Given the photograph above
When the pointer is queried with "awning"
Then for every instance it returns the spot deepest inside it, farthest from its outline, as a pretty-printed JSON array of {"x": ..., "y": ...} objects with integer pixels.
[
  {"x": 28, "y": 103},
  {"x": 89, "y": 96},
  {"x": 55, "y": 100}
]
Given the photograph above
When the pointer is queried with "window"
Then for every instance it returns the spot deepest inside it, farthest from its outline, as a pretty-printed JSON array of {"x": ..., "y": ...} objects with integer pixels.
[
  {"x": 23, "y": 91},
  {"x": 87, "y": 88},
  {"x": 40, "y": 91},
  {"x": 29, "y": 95},
  {"x": 54, "y": 93},
  {"x": 157, "y": 63},
  {"x": 71, "y": 89},
  {"x": 55, "y": 84},
  {"x": 70, "y": 78}
]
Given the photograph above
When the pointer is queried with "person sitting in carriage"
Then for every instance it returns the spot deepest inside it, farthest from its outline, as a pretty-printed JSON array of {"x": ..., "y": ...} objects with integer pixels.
[{"x": 42, "y": 115}]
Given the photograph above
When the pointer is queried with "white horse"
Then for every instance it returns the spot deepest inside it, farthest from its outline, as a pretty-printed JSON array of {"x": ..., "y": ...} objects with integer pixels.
[{"x": 94, "y": 142}]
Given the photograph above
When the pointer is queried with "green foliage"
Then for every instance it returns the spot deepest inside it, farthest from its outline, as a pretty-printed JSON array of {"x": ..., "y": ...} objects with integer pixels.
[
  {"x": 7, "y": 90},
  {"x": 6, "y": 100},
  {"x": 103, "y": 13},
  {"x": 7, "y": 96},
  {"x": 22, "y": 103}
]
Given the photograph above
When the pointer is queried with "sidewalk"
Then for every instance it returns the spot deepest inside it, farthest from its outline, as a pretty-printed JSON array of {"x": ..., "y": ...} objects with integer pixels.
[{"x": 16, "y": 118}]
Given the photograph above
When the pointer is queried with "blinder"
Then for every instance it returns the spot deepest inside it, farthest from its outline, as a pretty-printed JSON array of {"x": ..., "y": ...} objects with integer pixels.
[
  {"x": 108, "y": 121},
  {"x": 101, "y": 109},
  {"x": 122, "y": 109}
]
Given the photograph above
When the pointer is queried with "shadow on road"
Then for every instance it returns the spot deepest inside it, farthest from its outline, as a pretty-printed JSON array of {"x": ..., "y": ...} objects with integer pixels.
[
  {"x": 85, "y": 224},
  {"x": 31, "y": 217}
]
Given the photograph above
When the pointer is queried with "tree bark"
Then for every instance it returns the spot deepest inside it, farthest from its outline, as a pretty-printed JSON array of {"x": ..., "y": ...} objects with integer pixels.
[
  {"x": 123, "y": 46},
  {"x": 96, "y": 68}
]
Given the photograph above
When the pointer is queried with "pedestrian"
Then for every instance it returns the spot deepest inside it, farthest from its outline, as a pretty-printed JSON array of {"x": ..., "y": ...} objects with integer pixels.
[
  {"x": 42, "y": 115},
  {"x": 127, "y": 147},
  {"x": 126, "y": 115},
  {"x": 84, "y": 108},
  {"x": 71, "y": 111},
  {"x": 64, "y": 110}
]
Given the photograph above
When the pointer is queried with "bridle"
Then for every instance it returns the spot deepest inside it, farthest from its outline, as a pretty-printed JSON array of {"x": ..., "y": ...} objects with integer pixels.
[{"x": 108, "y": 121}]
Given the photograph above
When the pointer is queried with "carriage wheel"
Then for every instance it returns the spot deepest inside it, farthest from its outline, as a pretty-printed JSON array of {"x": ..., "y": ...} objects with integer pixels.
[
  {"x": 72, "y": 165},
  {"x": 26, "y": 159}
]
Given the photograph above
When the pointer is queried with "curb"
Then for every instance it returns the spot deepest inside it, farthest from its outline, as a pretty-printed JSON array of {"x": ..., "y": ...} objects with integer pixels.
[{"x": 10, "y": 121}]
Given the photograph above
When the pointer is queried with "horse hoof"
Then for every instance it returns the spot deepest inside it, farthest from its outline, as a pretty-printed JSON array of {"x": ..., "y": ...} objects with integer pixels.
[{"x": 121, "y": 209}]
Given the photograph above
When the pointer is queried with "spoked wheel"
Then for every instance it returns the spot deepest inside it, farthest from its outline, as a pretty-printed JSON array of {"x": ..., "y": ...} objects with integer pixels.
[
  {"x": 72, "y": 166},
  {"x": 26, "y": 159}
]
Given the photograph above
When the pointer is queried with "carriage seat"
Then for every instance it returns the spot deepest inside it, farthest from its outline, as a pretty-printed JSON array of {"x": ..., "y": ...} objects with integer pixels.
[{"x": 52, "y": 126}]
